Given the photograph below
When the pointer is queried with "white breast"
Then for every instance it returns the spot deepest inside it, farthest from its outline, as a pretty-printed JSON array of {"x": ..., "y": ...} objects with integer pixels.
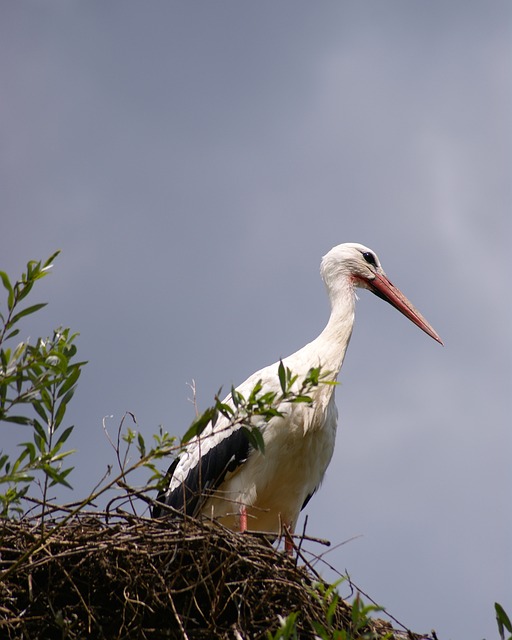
[{"x": 274, "y": 485}]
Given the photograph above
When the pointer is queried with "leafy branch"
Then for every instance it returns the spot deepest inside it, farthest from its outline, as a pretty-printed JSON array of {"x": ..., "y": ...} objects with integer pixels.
[
  {"x": 154, "y": 452},
  {"x": 37, "y": 383},
  {"x": 251, "y": 413},
  {"x": 358, "y": 627}
]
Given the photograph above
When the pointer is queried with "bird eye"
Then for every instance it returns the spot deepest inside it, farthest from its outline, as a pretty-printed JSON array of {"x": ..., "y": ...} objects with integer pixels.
[{"x": 370, "y": 258}]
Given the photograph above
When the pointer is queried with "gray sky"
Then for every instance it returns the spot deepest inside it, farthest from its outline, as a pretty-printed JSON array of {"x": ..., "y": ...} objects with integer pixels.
[{"x": 194, "y": 161}]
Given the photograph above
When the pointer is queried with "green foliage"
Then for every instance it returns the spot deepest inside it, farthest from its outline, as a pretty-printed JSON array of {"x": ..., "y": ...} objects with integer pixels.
[
  {"x": 260, "y": 406},
  {"x": 287, "y": 628},
  {"x": 327, "y": 596},
  {"x": 359, "y": 626},
  {"x": 163, "y": 445},
  {"x": 37, "y": 383},
  {"x": 503, "y": 621}
]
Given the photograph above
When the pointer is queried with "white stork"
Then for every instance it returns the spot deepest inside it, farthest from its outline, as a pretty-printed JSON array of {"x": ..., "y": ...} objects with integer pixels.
[{"x": 220, "y": 475}]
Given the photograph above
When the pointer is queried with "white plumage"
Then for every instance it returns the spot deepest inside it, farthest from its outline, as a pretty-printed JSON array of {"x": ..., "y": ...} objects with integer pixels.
[{"x": 220, "y": 475}]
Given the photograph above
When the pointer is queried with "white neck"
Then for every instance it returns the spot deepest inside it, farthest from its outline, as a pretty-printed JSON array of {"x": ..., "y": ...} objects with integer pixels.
[{"x": 328, "y": 350}]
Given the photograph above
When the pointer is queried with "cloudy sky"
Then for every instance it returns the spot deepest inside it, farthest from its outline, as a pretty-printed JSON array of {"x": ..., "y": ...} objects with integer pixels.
[{"x": 194, "y": 161}]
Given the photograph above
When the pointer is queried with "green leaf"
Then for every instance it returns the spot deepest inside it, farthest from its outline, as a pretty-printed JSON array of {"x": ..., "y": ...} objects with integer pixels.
[
  {"x": 57, "y": 477},
  {"x": 236, "y": 397},
  {"x": 66, "y": 472},
  {"x": 67, "y": 396},
  {"x": 199, "y": 424},
  {"x": 129, "y": 436},
  {"x": 57, "y": 360},
  {"x": 142, "y": 445},
  {"x": 24, "y": 290},
  {"x": 17, "y": 419},
  {"x": 269, "y": 413},
  {"x": 64, "y": 436},
  {"x": 281, "y": 372},
  {"x": 5, "y": 357},
  {"x": 26, "y": 312},
  {"x": 19, "y": 352},
  {"x": 7, "y": 284},
  {"x": 301, "y": 398},
  {"x": 254, "y": 393},
  {"x": 60, "y": 412},
  {"x": 30, "y": 449},
  {"x": 3, "y": 460},
  {"x": 356, "y": 612},
  {"x": 267, "y": 399},
  {"x": 26, "y": 452},
  {"x": 39, "y": 409},
  {"x": 70, "y": 381},
  {"x": 255, "y": 438},
  {"x": 503, "y": 620},
  {"x": 225, "y": 409},
  {"x": 319, "y": 629},
  {"x": 57, "y": 457},
  {"x": 45, "y": 396},
  {"x": 40, "y": 431},
  {"x": 332, "y": 608},
  {"x": 40, "y": 443},
  {"x": 49, "y": 263},
  {"x": 5, "y": 280}
]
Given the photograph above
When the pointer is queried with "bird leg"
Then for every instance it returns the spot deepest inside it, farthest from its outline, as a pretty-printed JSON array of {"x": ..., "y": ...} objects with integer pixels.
[
  {"x": 288, "y": 541},
  {"x": 243, "y": 518}
]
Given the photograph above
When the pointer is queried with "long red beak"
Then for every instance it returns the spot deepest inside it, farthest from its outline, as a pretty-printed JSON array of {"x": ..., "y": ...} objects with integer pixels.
[{"x": 383, "y": 288}]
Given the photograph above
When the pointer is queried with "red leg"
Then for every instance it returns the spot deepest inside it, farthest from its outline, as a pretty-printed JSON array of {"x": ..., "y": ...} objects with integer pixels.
[
  {"x": 288, "y": 542},
  {"x": 243, "y": 518}
]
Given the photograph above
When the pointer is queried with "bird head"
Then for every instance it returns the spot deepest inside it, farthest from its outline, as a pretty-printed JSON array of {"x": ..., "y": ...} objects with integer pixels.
[{"x": 354, "y": 265}]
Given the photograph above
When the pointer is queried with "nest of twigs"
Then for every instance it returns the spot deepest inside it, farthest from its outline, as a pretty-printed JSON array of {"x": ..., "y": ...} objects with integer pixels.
[{"x": 138, "y": 578}]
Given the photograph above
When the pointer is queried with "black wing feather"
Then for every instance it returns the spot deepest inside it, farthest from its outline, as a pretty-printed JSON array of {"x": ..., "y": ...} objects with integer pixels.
[
  {"x": 308, "y": 498},
  {"x": 205, "y": 477}
]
